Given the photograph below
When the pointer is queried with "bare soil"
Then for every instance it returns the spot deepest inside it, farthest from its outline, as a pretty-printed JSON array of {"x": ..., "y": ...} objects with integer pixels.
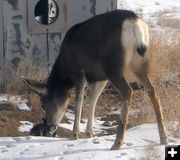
[{"x": 10, "y": 118}]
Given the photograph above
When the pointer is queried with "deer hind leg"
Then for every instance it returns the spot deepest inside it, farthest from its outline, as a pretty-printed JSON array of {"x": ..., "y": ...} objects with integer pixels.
[
  {"x": 96, "y": 89},
  {"x": 80, "y": 87},
  {"x": 116, "y": 76},
  {"x": 122, "y": 86},
  {"x": 156, "y": 104}
]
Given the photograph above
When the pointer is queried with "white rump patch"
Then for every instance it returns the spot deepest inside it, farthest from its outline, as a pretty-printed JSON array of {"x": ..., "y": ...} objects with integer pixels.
[{"x": 134, "y": 33}]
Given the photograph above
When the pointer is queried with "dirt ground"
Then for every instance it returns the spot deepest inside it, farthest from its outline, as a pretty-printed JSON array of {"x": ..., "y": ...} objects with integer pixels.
[{"x": 10, "y": 115}]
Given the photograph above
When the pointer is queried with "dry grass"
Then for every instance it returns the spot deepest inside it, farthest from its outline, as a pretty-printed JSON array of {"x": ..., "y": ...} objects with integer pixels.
[
  {"x": 27, "y": 68},
  {"x": 171, "y": 23},
  {"x": 15, "y": 86},
  {"x": 153, "y": 153},
  {"x": 165, "y": 19},
  {"x": 165, "y": 50}
]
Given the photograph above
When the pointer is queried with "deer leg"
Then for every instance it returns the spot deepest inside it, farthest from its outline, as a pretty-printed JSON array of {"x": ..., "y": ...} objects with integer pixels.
[
  {"x": 157, "y": 107},
  {"x": 96, "y": 90},
  {"x": 122, "y": 86},
  {"x": 116, "y": 76},
  {"x": 80, "y": 87}
]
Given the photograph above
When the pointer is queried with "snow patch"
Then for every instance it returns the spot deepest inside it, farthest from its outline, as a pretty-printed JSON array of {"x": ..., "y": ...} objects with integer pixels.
[
  {"x": 152, "y": 11},
  {"x": 150, "y": 7},
  {"x": 3, "y": 98},
  {"x": 25, "y": 127},
  {"x": 16, "y": 100},
  {"x": 98, "y": 124},
  {"x": 137, "y": 139}
]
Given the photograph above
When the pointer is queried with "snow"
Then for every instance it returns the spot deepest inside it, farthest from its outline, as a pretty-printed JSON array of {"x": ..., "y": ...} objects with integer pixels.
[
  {"x": 137, "y": 139},
  {"x": 25, "y": 127},
  {"x": 98, "y": 127},
  {"x": 148, "y": 8},
  {"x": 3, "y": 98},
  {"x": 154, "y": 10},
  {"x": 15, "y": 100}
]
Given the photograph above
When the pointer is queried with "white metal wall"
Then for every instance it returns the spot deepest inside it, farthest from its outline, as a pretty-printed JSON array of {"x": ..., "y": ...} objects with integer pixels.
[
  {"x": 39, "y": 47},
  {"x": 1, "y": 34}
]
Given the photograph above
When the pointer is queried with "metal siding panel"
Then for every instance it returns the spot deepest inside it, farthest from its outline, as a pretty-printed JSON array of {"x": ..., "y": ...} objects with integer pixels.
[
  {"x": 114, "y": 4},
  {"x": 36, "y": 58},
  {"x": 78, "y": 11},
  {"x": 105, "y": 5},
  {"x": 54, "y": 42},
  {"x": 21, "y": 48},
  {"x": 1, "y": 34}
]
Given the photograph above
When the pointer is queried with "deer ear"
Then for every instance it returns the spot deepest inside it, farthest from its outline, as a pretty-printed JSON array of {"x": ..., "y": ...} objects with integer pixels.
[{"x": 38, "y": 87}]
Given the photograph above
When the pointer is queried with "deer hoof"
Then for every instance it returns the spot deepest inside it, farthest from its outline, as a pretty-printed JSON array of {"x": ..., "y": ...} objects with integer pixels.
[
  {"x": 164, "y": 140},
  {"x": 89, "y": 135},
  {"x": 75, "y": 136},
  {"x": 115, "y": 147}
]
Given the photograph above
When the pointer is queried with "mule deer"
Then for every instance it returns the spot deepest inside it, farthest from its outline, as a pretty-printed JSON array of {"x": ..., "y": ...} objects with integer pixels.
[{"x": 97, "y": 51}]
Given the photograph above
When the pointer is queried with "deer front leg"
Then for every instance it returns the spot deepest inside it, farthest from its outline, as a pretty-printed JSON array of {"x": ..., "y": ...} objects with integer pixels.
[
  {"x": 80, "y": 87},
  {"x": 96, "y": 89}
]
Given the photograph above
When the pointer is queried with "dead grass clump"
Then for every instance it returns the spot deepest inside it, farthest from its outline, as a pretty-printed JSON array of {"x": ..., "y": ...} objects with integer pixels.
[
  {"x": 165, "y": 14},
  {"x": 169, "y": 22},
  {"x": 165, "y": 19},
  {"x": 165, "y": 50},
  {"x": 161, "y": 13},
  {"x": 153, "y": 153},
  {"x": 13, "y": 84}
]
